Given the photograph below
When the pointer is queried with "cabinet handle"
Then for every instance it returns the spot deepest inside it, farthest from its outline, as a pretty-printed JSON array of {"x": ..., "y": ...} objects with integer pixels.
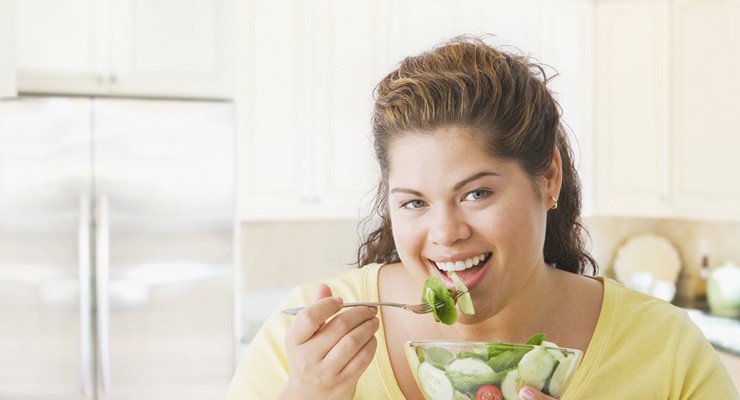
[
  {"x": 102, "y": 268},
  {"x": 83, "y": 254},
  {"x": 100, "y": 78},
  {"x": 113, "y": 79}
]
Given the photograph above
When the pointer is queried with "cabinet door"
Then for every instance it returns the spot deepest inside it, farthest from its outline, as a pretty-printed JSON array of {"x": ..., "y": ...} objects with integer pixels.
[
  {"x": 273, "y": 133},
  {"x": 305, "y": 108},
  {"x": 707, "y": 122},
  {"x": 174, "y": 48},
  {"x": 349, "y": 63},
  {"x": 61, "y": 46},
  {"x": 7, "y": 49},
  {"x": 161, "y": 48},
  {"x": 631, "y": 99}
]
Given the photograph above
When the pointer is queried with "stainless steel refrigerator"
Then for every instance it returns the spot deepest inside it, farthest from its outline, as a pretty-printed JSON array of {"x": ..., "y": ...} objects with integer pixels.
[{"x": 115, "y": 248}]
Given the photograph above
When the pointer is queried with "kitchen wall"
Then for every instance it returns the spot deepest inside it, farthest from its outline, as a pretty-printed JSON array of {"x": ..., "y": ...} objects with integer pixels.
[
  {"x": 284, "y": 253},
  {"x": 280, "y": 254}
]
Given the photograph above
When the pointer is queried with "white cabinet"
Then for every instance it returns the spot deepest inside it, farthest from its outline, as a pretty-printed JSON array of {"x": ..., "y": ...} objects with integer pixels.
[
  {"x": 667, "y": 126},
  {"x": 7, "y": 49},
  {"x": 304, "y": 105},
  {"x": 305, "y": 101},
  {"x": 632, "y": 91},
  {"x": 159, "y": 48},
  {"x": 707, "y": 115}
]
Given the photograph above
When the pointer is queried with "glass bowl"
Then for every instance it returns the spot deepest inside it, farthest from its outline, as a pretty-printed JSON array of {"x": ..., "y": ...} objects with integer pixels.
[{"x": 463, "y": 370}]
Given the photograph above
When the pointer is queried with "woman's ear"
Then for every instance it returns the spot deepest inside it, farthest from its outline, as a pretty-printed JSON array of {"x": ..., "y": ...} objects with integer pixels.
[{"x": 554, "y": 177}]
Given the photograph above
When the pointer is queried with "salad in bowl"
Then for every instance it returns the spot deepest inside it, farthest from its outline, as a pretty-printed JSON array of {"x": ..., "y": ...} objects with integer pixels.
[
  {"x": 468, "y": 370},
  {"x": 464, "y": 370}
]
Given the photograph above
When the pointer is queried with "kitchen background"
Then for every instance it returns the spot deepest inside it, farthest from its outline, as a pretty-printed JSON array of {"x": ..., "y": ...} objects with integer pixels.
[{"x": 644, "y": 87}]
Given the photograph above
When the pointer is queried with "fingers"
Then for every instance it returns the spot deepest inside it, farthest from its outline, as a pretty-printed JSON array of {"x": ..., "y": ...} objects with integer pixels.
[
  {"x": 328, "y": 349},
  {"x": 312, "y": 318},
  {"x": 349, "y": 333},
  {"x": 322, "y": 291},
  {"x": 360, "y": 359}
]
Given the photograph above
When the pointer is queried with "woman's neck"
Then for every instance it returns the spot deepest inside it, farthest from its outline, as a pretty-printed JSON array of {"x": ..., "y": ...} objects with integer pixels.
[{"x": 530, "y": 310}]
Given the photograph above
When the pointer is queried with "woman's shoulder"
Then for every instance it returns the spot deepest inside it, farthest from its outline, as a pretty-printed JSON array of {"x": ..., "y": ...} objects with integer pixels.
[
  {"x": 637, "y": 329},
  {"x": 640, "y": 312},
  {"x": 632, "y": 316},
  {"x": 629, "y": 303}
]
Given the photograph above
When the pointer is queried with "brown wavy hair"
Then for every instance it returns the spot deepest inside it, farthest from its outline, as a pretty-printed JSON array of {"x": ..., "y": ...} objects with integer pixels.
[{"x": 468, "y": 83}]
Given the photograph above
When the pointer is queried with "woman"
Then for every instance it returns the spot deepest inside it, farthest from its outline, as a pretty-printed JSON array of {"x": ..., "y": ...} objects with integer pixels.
[{"x": 476, "y": 168}]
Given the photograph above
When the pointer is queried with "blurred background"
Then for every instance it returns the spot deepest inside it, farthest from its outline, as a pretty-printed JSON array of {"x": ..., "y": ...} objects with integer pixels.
[{"x": 169, "y": 170}]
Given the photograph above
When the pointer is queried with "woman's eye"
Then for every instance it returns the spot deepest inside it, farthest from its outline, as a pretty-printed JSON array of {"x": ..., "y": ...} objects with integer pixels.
[
  {"x": 413, "y": 204},
  {"x": 477, "y": 195}
]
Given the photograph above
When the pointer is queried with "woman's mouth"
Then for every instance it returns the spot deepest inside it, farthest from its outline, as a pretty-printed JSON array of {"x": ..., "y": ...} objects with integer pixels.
[
  {"x": 468, "y": 270},
  {"x": 463, "y": 264}
]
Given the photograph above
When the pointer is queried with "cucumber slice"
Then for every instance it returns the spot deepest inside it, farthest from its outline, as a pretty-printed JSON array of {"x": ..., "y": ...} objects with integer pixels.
[
  {"x": 536, "y": 366},
  {"x": 470, "y": 366},
  {"x": 563, "y": 370},
  {"x": 469, "y": 373},
  {"x": 558, "y": 354},
  {"x": 465, "y": 302},
  {"x": 510, "y": 385},
  {"x": 434, "y": 382}
]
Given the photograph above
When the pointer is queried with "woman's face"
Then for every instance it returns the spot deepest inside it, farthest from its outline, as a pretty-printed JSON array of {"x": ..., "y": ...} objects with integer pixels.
[{"x": 454, "y": 207}]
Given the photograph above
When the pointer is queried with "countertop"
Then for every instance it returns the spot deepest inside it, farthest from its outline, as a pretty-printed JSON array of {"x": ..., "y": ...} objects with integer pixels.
[{"x": 722, "y": 332}]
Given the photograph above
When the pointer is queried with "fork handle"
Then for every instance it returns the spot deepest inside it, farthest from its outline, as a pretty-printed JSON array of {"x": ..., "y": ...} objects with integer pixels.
[{"x": 295, "y": 310}]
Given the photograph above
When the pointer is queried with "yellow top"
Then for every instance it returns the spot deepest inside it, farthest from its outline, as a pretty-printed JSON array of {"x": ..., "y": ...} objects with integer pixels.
[{"x": 642, "y": 348}]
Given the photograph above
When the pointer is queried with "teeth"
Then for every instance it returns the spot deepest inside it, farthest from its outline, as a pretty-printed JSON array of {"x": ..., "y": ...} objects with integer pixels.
[{"x": 461, "y": 265}]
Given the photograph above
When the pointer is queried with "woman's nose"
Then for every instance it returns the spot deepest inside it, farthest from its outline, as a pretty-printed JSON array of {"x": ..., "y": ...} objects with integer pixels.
[{"x": 448, "y": 227}]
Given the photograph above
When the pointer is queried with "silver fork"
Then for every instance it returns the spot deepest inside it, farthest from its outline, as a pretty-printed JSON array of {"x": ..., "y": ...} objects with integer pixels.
[{"x": 423, "y": 308}]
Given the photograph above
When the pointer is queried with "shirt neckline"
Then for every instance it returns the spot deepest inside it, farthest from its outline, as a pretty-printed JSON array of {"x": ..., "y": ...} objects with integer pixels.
[{"x": 596, "y": 347}]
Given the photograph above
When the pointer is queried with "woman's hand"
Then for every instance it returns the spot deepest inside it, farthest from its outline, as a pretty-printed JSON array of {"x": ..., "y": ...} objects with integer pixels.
[
  {"x": 326, "y": 358},
  {"x": 530, "y": 393}
]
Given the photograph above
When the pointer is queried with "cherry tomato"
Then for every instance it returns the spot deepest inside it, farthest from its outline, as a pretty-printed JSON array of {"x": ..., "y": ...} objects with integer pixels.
[{"x": 489, "y": 392}]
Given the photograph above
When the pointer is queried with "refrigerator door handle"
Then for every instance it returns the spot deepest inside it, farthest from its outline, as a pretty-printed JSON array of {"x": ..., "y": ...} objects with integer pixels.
[
  {"x": 83, "y": 253},
  {"x": 102, "y": 268}
]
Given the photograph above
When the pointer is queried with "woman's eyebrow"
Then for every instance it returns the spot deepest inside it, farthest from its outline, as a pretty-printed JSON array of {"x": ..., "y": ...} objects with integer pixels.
[
  {"x": 457, "y": 186},
  {"x": 473, "y": 177},
  {"x": 408, "y": 191}
]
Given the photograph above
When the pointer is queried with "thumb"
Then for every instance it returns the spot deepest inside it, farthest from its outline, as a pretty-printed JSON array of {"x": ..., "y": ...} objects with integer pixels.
[
  {"x": 322, "y": 292},
  {"x": 530, "y": 393}
]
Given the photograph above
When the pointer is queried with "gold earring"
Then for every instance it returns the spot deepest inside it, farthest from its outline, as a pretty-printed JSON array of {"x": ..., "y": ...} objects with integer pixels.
[{"x": 554, "y": 206}]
